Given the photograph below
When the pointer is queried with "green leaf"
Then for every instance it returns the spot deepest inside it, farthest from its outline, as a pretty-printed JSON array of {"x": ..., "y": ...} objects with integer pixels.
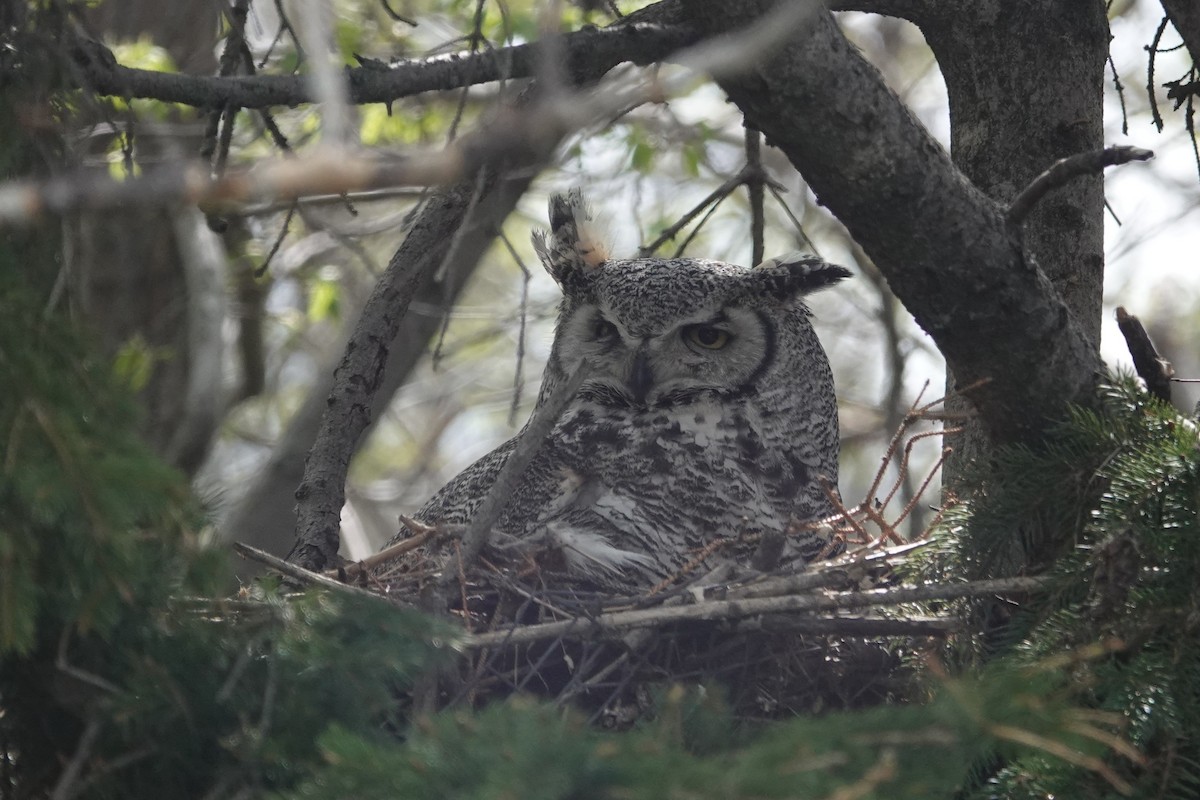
[
  {"x": 135, "y": 361},
  {"x": 642, "y": 156},
  {"x": 324, "y": 300}
]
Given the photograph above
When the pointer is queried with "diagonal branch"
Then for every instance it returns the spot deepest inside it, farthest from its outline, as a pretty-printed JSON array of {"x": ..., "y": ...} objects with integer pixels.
[
  {"x": 322, "y": 492},
  {"x": 528, "y": 445},
  {"x": 358, "y": 378},
  {"x": 1067, "y": 169},
  {"x": 943, "y": 245}
]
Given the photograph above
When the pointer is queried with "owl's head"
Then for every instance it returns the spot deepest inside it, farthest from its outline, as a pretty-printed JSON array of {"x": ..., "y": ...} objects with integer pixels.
[{"x": 662, "y": 332}]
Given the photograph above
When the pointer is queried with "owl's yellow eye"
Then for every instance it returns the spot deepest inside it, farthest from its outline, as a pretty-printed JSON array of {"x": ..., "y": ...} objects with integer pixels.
[{"x": 707, "y": 336}]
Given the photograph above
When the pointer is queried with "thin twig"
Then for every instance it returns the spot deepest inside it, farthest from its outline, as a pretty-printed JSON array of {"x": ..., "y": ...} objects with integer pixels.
[
  {"x": 606, "y": 625},
  {"x": 630, "y": 39},
  {"x": 397, "y": 16},
  {"x": 1155, "y": 370},
  {"x": 303, "y": 575},
  {"x": 519, "y": 372},
  {"x": 715, "y": 196},
  {"x": 697, "y": 560},
  {"x": 1067, "y": 169},
  {"x": 933, "y": 471},
  {"x": 754, "y": 185},
  {"x": 262, "y": 268},
  {"x": 1152, "y": 49},
  {"x": 528, "y": 445},
  {"x": 1120, "y": 87},
  {"x": 694, "y": 232},
  {"x": 475, "y": 37},
  {"x": 387, "y": 554},
  {"x": 777, "y": 192},
  {"x": 845, "y": 513},
  {"x": 83, "y": 751},
  {"x": 519, "y": 139}
]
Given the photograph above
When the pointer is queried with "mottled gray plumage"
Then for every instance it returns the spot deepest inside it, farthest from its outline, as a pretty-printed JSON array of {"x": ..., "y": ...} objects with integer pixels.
[{"x": 708, "y": 411}]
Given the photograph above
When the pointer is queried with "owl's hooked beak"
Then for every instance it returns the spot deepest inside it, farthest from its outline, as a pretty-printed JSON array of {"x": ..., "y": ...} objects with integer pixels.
[{"x": 641, "y": 377}]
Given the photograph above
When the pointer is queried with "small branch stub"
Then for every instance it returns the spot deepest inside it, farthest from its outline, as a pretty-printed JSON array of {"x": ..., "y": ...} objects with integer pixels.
[
  {"x": 1152, "y": 368},
  {"x": 1067, "y": 169}
]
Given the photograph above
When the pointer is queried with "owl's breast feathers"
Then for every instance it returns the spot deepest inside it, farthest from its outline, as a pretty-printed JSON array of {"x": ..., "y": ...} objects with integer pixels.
[{"x": 630, "y": 496}]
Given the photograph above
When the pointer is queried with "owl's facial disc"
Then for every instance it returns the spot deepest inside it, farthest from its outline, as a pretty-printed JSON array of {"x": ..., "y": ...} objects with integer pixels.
[{"x": 683, "y": 360}]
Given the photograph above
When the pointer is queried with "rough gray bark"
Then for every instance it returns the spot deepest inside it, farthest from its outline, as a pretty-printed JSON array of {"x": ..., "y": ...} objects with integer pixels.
[
  {"x": 1185, "y": 16},
  {"x": 942, "y": 243},
  {"x": 1026, "y": 85},
  {"x": 1025, "y": 80},
  {"x": 359, "y": 377}
]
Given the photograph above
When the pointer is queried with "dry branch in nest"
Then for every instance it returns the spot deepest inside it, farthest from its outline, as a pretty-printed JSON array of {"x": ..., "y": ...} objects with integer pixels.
[{"x": 779, "y": 643}]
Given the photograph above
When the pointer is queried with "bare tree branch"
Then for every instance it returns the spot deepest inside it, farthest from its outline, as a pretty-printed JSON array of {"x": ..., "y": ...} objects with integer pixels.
[
  {"x": 528, "y": 444},
  {"x": 1155, "y": 370},
  {"x": 1066, "y": 169},
  {"x": 303, "y": 575},
  {"x": 525, "y": 136},
  {"x": 359, "y": 377},
  {"x": 638, "y": 38},
  {"x": 265, "y": 516},
  {"x": 606, "y": 625}
]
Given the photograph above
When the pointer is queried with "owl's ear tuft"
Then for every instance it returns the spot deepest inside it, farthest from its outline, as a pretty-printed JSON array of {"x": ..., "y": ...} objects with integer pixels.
[
  {"x": 573, "y": 245},
  {"x": 797, "y": 273}
]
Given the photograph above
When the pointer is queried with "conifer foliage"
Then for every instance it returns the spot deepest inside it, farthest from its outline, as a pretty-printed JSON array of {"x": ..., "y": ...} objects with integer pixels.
[
  {"x": 114, "y": 683},
  {"x": 1109, "y": 508}
]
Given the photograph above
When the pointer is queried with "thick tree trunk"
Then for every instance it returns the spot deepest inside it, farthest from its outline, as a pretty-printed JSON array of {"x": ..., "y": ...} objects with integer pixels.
[{"x": 1026, "y": 85}]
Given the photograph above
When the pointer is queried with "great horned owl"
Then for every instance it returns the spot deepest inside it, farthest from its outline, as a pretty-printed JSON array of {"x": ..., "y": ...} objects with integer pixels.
[{"x": 707, "y": 412}]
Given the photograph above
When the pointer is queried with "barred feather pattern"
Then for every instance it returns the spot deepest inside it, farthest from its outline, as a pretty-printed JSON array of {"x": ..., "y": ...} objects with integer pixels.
[{"x": 707, "y": 411}]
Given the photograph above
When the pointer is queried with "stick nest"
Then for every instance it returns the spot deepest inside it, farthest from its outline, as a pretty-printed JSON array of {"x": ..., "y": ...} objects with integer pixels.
[
  {"x": 776, "y": 644},
  {"x": 833, "y": 636},
  {"x": 529, "y": 630}
]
